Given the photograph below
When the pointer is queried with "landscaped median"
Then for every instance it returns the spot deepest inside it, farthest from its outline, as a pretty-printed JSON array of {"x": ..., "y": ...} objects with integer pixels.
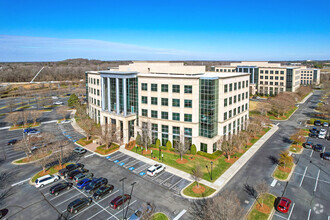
[
  {"x": 29, "y": 125},
  {"x": 198, "y": 191},
  {"x": 285, "y": 167},
  {"x": 159, "y": 216},
  {"x": 296, "y": 148},
  {"x": 263, "y": 210},
  {"x": 103, "y": 150},
  {"x": 285, "y": 116},
  {"x": 51, "y": 170},
  {"x": 31, "y": 159},
  {"x": 84, "y": 141}
]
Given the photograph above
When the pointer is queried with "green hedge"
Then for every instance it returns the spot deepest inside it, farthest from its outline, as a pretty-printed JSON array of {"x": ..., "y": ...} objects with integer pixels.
[
  {"x": 104, "y": 150},
  {"x": 193, "y": 149},
  {"x": 312, "y": 120},
  {"x": 213, "y": 156}
]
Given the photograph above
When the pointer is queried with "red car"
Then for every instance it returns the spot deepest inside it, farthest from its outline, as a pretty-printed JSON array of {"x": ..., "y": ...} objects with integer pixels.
[
  {"x": 119, "y": 200},
  {"x": 283, "y": 205}
]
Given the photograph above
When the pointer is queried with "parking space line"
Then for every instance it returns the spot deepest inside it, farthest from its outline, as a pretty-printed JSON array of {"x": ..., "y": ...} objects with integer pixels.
[
  {"x": 122, "y": 210},
  {"x": 176, "y": 183},
  {"x": 117, "y": 156},
  {"x": 167, "y": 179},
  {"x": 158, "y": 176},
  {"x": 67, "y": 199},
  {"x": 89, "y": 155},
  {"x": 302, "y": 179},
  {"x": 96, "y": 214},
  {"x": 309, "y": 214},
  {"x": 291, "y": 211},
  {"x": 61, "y": 194},
  {"x": 180, "y": 214},
  {"x": 273, "y": 183},
  {"x": 20, "y": 182},
  {"x": 279, "y": 216},
  {"x": 141, "y": 168},
  {"x": 317, "y": 179},
  {"x": 131, "y": 164},
  {"x": 311, "y": 154}
]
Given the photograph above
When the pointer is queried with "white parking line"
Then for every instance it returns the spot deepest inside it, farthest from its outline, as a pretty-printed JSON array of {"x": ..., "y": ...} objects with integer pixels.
[
  {"x": 122, "y": 210},
  {"x": 20, "y": 182},
  {"x": 309, "y": 214},
  {"x": 180, "y": 215},
  {"x": 311, "y": 154},
  {"x": 302, "y": 179},
  {"x": 167, "y": 179},
  {"x": 317, "y": 179},
  {"x": 273, "y": 183},
  {"x": 291, "y": 211},
  {"x": 320, "y": 180},
  {"x": 131, "y": 164},
  {"x": 279, "y": 216},
  {"x": 175, "y": 184},
  {"x": 117, "y": 156},
  {"x": 89, "y": 155},
  {"x": 67, "y": 199},
  {"x": 141, "y": 168},
  {"x": 158, "y": 176},
  {"x": 61, "y": 194}
]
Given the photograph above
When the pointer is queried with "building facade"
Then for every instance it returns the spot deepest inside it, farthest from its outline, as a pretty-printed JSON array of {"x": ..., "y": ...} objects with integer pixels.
[{"x": 172, "y": 101}]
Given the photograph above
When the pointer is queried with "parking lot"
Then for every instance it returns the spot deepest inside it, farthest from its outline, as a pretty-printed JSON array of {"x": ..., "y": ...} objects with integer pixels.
[
  {"x": 309, "y": 185},
  {"x": 137, "y": 167}
]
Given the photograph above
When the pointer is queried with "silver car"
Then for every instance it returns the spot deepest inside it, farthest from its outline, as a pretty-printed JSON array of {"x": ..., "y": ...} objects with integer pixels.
[{"x": 82, "y": 176}]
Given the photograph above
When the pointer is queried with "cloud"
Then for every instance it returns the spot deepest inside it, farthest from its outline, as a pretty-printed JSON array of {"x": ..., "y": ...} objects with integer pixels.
[{"x": 25, "y": 48}]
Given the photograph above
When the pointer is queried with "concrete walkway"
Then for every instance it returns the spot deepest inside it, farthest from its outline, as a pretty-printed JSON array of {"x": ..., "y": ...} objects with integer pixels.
[
  {"x": 75, "y": 125},
  {"x": 307, "y": 97}
]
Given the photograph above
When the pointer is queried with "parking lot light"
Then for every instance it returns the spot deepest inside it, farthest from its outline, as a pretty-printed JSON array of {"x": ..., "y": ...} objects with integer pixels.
[
  {"x": 211, "y": 168},
  {"x": 162, "y": 157},
  {"x": 123, "y": 181},
  {"x": 129, "y": 200}
]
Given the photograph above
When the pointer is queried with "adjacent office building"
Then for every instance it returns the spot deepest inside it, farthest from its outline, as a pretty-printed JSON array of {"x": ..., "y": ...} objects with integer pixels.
[{"x": 172, "y": 100}]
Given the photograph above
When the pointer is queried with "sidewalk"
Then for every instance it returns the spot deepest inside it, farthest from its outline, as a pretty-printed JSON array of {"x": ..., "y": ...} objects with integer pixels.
[
  {"x": 75, "y": 125},
  {"x": 307, "y": 97}
]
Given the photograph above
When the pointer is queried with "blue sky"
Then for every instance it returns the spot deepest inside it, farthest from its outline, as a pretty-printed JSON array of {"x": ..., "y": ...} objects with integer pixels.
[{"x": 164, "y": 30}]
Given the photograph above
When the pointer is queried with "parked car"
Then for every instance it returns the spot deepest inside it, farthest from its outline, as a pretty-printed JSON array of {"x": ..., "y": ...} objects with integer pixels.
[
  {"x": 69, "y": 168},
  {"x": 283, "y": 204},
  {"x": 79, "y": 150},
  {"x": 119, "y": 200},
  {"x": 313, "y": 129},
  {"x": 83, "y": 183},
  {"x": 82, "y": 176},
  {"x": 95, "y": 184},
  {"x": 317, "y": 123},
  {"x": 27, "y": 130},
  {"x": 141, "y": 212},
  {"x": 318, "y": 147},
  {"x": 323, "y": 131},
  {"x": 58, "y": 103},
  {"x": 325, "y": 124},
  {"x": 308, "y": 144},
  {"x": 73, "y": 173},
  {"x": 55, "y": 190},
  {"x": 155, "y": 169},
  {"x": 33, "y": 133},
  {"x": 79, "y": 204},
  {"x": 102, "y": 191},
  {"x": 44, "y": 180},
  {"x": 54, "y": 97},
  {"x": 326, "y": 155},
  {"x": 3, "y": 213},
  {"x": 12, "y": 141},
  {"x": 321, "y": 136},
  {"x": 313, "y": 135}
]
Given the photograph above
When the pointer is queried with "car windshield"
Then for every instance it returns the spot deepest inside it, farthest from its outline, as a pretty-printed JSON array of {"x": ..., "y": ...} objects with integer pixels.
[
  {"x": 151, "y": 170},
  {"x": 282, "y": 207},
  {"x": 138, "y": 213}
]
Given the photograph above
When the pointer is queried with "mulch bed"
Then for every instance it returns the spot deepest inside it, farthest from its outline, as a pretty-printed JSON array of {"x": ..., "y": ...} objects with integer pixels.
[
  {"x": 284, "y": 169},
  {"x": 183, "y": 161},
  {"x": 232, "y": 160},
  {"x": 198, "y": 190},
  {"x": 264, "y": 208}
]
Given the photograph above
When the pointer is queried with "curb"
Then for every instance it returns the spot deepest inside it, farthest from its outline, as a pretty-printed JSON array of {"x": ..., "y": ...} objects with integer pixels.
[
  {"x": 270, "y": 214},
  {"x": 289, "y": 176},
  {"x": 288, "y": 117},
  {"x": 305, "y": 99},
  {"x": 302, "y": 149},
  {"x": 197, "y": 198}
]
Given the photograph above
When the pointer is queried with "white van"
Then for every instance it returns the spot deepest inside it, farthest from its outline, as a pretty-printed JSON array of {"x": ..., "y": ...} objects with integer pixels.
[{"x": 44, "y": 180}]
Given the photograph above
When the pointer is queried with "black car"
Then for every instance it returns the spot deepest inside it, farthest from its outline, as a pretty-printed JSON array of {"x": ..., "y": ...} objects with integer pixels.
[
  {"x": 71, "y": 174},
  {"x": 69, "y": 168},
  {"x": 12, "y": 142},
  {"x": 103, "y": 190},
  {"x": 313, "y": 135},
  {"x": 318, "y": 147},
  {"x": 326, "y": 155},
  {"x": 97, "y": 183},
  {"x": 317, "y": 123},
  {"x": 313, "y": 129},
  {"x": 308, "y": 144},
  {"x": 79, "y": 204},
  {"x": 55, "y": 190}
]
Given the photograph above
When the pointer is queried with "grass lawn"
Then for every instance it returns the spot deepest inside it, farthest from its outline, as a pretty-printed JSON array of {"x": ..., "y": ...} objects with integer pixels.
[
  {"x": 296, "y": 148},
  {"x": 159, "y": 216},
  {"x": 256, "y": 214},
  {"x": 189, "y": 192},
  {"x": 282, "y": 173},
  {"x": 285, "y": 116},
  {"x": 51, "y": 170},
  {"x": 32, "y": 158},
  {"x": 30, "y": 125}
]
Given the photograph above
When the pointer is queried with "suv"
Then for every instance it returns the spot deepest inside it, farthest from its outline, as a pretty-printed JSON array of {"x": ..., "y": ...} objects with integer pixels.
[
  {"x": 82, "y": 176},
  {"x": 318, "y": 147},
  {"x": 95, "y": 184},
  {"x": 79, "y": 204},
  {"x": 119, "y": 200},
  {"x": 73, "y": 173},
  {"x": 69, "y": 168},
  {"x": 157, "y": 168},
  {"x": 308, "y": 144},
  {"x": 79, "y": 150},
  {"x": 317, "y": 123},
  {"x": 55, "y": 190},
  {"x": 27, "y": 130},
  {"x": 44, "y": 180},
  {"x": 103, "y": 190},
  {"x": 12, "y": 142}
]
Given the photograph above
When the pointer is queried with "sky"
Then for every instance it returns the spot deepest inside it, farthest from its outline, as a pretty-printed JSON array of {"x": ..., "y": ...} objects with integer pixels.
[{"x": 32, "y": 30}]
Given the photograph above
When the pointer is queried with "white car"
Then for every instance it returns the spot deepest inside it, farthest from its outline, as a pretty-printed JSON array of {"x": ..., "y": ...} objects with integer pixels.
[
  {"x": 47, "y": 179},
  {"x": 54, "y": 97},
  {"x": 33, "y": 133},
  {"x": 323, "y": 131},
  {"x": 322, "y": 136},
  {"x": 58, "y": 103},
  {"x": 155, "y": 169}
]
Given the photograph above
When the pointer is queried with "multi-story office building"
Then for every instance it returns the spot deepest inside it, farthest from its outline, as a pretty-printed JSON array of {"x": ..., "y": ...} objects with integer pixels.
[
  {"x": 172, "y": 100},
  {"x": 273, "y": 78}
]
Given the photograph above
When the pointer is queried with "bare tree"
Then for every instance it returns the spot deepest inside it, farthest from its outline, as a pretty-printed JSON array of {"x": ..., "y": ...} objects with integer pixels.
[
  {"x": 25, "y": 116},
  {"x": 226, "y": 206},
  {"x": 42, "y": 153},
  {"x": 197, "y": 173},
  {"x": 146, "y": 133},
  {"x": 227, "y": 147},
  {"x": 13, "y": 118},
  {"x": 35, "y": 115},
  {"x": 89, "y": 126},
  {"x": 264, "y": 107},
  {"x": 285, "y": 158},
  {"x": 182, "y": 146},
  {"x": 298, "y": 137},
  {"x": 11, "y": 104},
  {"x": 108, "y": 134},
  {"x": 63, "y": 111},
  {"x": 61, "y": 149},
  {"x": 5, "y": 181},
  {"x": 24, "y": 145},
  {"x": 261, "y": 188}
]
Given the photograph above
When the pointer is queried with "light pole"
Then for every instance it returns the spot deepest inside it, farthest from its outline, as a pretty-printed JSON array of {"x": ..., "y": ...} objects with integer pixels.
[
  {"x": 207, "y": 167},
  {"x": 211, "y": 169},
  {"x": 123, "y": 180},
  {"x": 129, "y": 199}
]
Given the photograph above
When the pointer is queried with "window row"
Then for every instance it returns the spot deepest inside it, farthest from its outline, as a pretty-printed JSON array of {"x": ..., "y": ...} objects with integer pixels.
[
  {"x": 271, "y": 83},
  {"x": 95, "y": 101},
  {"x": 164, "y": 88},
  {"x": 234, "y": 124},
  {"x": 236, "y": 85},
  {"x": 94, "y": 91},
  {"x": 272, "y": 77},
  {"x": 164, "y": 115},
  {"x": 236, "y": 98},
  {"x": 164, "y": 102},
  {"x": 234, "y": 112},
  {"x": 93, "y": 81},
  {"x": 271, "y": 71},
  {"x": 226, "y": 70}
]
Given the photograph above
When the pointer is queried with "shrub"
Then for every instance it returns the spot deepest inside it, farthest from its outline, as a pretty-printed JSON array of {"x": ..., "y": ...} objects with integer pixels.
[
  {"x": 312, "y": 120},
  {"x": 103, "y": 150},
  {"x": 73, "y": 100},
  {"x": 138, "y": 139},
  {"x": 193, "y": 149},
  {"x": 157, "y": 143},
  {"x": 213, "y": 156},
  {"x": 152, "y": 145},
  {"x": 163, "y": 148},
  {"x": 168, "y": 145}
]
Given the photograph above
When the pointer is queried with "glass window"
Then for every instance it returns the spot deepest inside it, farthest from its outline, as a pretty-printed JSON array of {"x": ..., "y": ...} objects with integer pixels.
[
  {"x": 164, "y": 128},
  {"x": 234, "y": 111},
  {"x": 164, "y": 88},
  {"x": 261, "y": 71},
  {"x": 239, "y": 109},
  {"x": 235, "y": 86},
  {"x": 154, "y": 87},
  {"x": 176, "y": 88},
  {"x": 187, "y": 132},
  {"x": 144, "y": 100},
  {"x": 282, "y": 72},
  {"x": 188, "y": 103},
  {"x": 261, "y": 77},
  {"x": 266, "y": 71},
  {"x": 154, "y": 114},
  {"x": 271, "y": 72},
  {"x": 164, "y": 115},
  {"x": 188, "y": 89},
  {"x": 271, "y": 77},
  {"x": 230, "y": 113},
  {"x": 176, "y": 131},
  {"x": 144, "y": 86},
  {"x": 239, "y": 85},
  {"x": 247, "y": 83},
  {"x": 188, "y": 117},
  {"x": 276, "y": 77},
  {"x": 246, "y": 106},
  {"x": 243, "y": 85},
  {"x": 224, "y": 130},
  {"x": 203, "y": 147},
  {"x": 230, "y": 100},
  {"x": 165, "y": 101},
  {"x": 235, "y": 99},
  {"x": 98, "y": 82},
  {"x": 225, "y": 116},
  {"x": 145, "y": 112},
  {"x": 226, "y": 88},
  {"x": 282, "y": 78},
  {"x": 276, "y": 72},
  {"x": 176, "y": 102},
  {"x": 230, "y": 87},
  {"x": 176, "y": 116},
  {"x": 154, "y": 100},
  {"x": 266, "y": 77},
  {"x": 239, "y": 97},
  {"x": 246, "y": 95},
  {"x": 225, "y": 102}
]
